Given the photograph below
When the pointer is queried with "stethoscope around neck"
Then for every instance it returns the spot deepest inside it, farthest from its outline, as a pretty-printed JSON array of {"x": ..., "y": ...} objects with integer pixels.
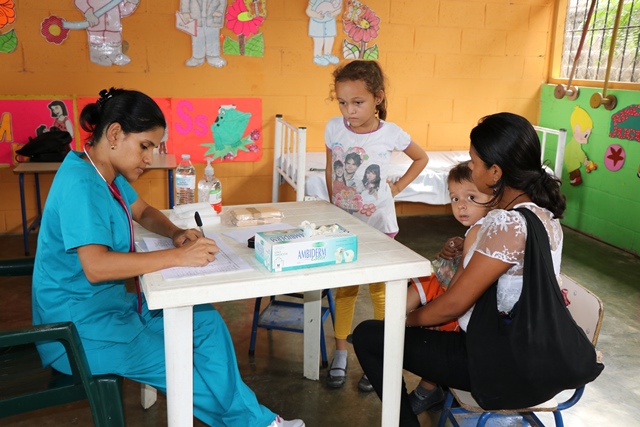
[{"x": 115, "y": 192}]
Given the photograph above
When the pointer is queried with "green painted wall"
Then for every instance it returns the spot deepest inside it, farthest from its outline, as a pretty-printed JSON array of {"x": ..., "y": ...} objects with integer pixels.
[{"x": 607, "y": 204}]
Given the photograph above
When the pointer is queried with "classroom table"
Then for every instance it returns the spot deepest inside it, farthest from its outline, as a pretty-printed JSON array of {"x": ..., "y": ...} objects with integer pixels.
[
  {"x": 160, "y": 161},
  {"x": 379, "y": 258}
]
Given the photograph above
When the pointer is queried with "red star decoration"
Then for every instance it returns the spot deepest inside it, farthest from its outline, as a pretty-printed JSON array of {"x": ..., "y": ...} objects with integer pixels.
[{"x": 615, "y": 155}]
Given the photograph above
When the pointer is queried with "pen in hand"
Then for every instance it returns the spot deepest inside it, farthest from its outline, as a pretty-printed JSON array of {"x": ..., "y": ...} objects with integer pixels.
[{"x": 199, "y": 222}]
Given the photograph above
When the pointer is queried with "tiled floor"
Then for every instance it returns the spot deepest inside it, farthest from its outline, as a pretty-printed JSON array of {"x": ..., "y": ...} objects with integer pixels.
[{"x": 275, "y": 370}]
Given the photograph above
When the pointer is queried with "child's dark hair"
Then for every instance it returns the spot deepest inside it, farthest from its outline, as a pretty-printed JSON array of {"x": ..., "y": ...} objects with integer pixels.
[
  {"x": 511, "y": 142},
  {"x": 133, "y": 110},
  {"x": 59, "y": 104},
  {"x": 460, "y": 173},
  {"x": 372, "y": 76},
  {"x": 338, "y": 164}
]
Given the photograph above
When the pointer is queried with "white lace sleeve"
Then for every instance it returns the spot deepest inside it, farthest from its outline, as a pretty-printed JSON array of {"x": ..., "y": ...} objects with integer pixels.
[{"x": 503, "y": 236}]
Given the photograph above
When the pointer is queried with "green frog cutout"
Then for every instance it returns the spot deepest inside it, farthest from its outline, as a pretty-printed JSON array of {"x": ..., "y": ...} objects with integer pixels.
[{"x": 228, "y": 130}]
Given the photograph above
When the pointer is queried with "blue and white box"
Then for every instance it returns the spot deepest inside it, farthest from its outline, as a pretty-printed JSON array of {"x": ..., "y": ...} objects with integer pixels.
[{"x": 292, "y": 249}]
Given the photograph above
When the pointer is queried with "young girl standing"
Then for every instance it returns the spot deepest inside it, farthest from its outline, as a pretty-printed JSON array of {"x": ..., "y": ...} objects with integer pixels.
[{"x": 361, "y": 139}]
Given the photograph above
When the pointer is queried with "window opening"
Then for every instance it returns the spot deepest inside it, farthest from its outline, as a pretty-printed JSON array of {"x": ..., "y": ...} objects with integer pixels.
[{"x": 592, "y": 62}]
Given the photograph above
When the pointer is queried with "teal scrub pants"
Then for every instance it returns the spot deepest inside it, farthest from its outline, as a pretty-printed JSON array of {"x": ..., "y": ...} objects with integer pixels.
[{"x": 220, "y": 397}]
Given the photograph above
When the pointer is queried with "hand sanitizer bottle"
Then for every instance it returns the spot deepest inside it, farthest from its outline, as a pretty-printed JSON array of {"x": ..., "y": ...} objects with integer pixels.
[{"x": 210, "y": 188}]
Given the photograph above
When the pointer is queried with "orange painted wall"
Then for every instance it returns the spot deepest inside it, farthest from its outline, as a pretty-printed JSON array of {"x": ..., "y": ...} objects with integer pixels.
[{"x": 448, "y": 63}]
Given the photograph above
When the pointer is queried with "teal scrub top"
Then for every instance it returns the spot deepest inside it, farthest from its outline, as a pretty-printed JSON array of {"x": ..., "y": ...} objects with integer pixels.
[{"x": 80, "y": 210}]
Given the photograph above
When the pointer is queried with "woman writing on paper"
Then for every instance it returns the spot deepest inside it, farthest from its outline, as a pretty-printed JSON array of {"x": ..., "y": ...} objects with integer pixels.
[{"x": 85, "y": 253}]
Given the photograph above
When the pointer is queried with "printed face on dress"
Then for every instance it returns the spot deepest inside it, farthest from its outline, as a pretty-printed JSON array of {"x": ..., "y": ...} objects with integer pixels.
[
  {"x": 465, "y": 202},
  {"x": 134, "y": 151},
  {"x": 350, "y": 166},
  {"x": 339, "y": 171},
  {"x": 358, "y": 105}
]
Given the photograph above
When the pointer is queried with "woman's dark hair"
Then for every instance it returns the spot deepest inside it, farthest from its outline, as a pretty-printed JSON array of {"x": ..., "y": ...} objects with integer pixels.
[
  {"x": 376, "y": 170},
  {"x": 133, "y": 110},
  {"x": 372, "y": 76},
  {"x": 59, "y": 104},
  {"x": 460, "y": 173},
  {"x": 510, "y": 141}
]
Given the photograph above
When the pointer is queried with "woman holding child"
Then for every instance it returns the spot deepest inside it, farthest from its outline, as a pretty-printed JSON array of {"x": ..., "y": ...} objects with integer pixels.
[{"x": 505, "y": 164}]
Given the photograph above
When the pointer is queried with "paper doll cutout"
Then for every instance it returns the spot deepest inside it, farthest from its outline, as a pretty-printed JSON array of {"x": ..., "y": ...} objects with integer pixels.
[
  {"x": 103, "y": 23},
  {"x": 8, "y": 40},
  {"x": 227, "y": 132},
  {"x": 574, "y": 156},
  {"x": 322, "y": 29},
  {"x": 61, "y": 117},
  {"x": 362, "y": 25},
  {"x": 244, "y": 18},
  {"x": 203, "y": 19}
]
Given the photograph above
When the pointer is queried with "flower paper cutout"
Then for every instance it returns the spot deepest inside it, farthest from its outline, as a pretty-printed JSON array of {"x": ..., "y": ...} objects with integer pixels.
[
  {"x": 53, "y": 30},
  {"x": 7, "y": 12}
]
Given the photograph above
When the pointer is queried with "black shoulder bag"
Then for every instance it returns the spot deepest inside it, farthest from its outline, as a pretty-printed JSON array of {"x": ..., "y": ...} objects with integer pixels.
[
  {"x": 527, "y": 358},
  {"x": 50, "y": 146}
]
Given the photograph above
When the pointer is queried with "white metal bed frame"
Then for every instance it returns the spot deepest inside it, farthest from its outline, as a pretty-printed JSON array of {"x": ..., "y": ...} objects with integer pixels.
[{"x": 290, "y": 146}]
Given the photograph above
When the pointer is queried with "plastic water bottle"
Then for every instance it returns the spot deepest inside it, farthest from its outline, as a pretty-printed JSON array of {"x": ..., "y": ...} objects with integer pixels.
[
  {"x": 185, "y": 181},
  {"x": 210, "y": 188}
]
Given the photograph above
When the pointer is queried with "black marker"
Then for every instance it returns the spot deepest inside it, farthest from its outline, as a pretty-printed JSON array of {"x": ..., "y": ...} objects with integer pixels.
[{"x": 199, "y": 222}]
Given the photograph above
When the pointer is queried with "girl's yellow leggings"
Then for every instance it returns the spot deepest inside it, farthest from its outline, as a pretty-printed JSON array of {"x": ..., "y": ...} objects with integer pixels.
[{"x": 345, "y": 304}]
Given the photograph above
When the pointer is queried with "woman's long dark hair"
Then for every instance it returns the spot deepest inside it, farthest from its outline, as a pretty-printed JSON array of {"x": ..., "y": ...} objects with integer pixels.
[
  {"x": 133, "y": 110},
  {"x": 510, "y": 141}
]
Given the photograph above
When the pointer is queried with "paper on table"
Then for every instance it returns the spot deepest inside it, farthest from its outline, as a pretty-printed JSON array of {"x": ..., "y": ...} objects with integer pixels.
[
  {"x": 226, "y": 259},
  {"x": 242, "y": 234}
]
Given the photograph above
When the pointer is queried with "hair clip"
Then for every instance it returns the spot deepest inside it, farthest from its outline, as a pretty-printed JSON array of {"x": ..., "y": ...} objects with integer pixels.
[{"x": 105, "y": 95}]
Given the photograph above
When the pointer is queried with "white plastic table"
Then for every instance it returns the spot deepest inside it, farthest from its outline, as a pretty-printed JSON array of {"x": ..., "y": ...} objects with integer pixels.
[{"x": 380, "y": 258}]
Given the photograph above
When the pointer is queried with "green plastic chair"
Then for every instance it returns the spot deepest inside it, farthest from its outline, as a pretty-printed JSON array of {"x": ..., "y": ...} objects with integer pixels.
[{"x": 27, "y": 386}]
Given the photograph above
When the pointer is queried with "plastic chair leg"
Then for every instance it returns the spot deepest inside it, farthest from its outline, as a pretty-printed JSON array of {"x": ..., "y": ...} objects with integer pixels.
[
  {"x": 323, "y": 347},
  {"x": 111, "y": 408},
  {"x": 446, "y": 409},
  {"x": 254, "y": 327},
  {"x": 332, "y": 308}
]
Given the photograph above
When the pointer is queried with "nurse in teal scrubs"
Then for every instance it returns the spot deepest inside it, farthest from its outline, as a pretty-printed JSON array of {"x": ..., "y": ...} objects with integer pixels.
[{"x": 85, "y": 253}]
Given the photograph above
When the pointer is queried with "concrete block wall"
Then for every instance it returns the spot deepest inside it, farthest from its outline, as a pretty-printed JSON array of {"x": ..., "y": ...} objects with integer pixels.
[{"x": 448, "y": 63}]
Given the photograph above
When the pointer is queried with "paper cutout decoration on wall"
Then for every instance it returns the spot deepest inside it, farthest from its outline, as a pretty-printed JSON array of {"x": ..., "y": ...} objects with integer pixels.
[
  {"x": 24, "y": 118},
  {"x": 625, "y": 124},
  {"x": 8, "y": 40},
  {"x": 614, "y": 158},
  {"x": 103, "y": 22},
  {"x": 203, "y": 24},
  {"x": 227, "y": 129},
  {"x": 322, "y": 29},
  {"x": 244, "y": 18},
  {"x": 574, "y": 155},
  {"x": 362, "y": 25}
]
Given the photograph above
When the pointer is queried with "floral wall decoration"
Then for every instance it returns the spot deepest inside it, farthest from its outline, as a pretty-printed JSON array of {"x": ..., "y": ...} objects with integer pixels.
[
  {"x": 323, "y": 30},
  {"x": 203, "y": 24},
  {"x": 362, "y": 25},
  {"x": 244, "y": 18},
  {"x": 103, "y": 23},
  {"x": 8, "y": 40}
]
